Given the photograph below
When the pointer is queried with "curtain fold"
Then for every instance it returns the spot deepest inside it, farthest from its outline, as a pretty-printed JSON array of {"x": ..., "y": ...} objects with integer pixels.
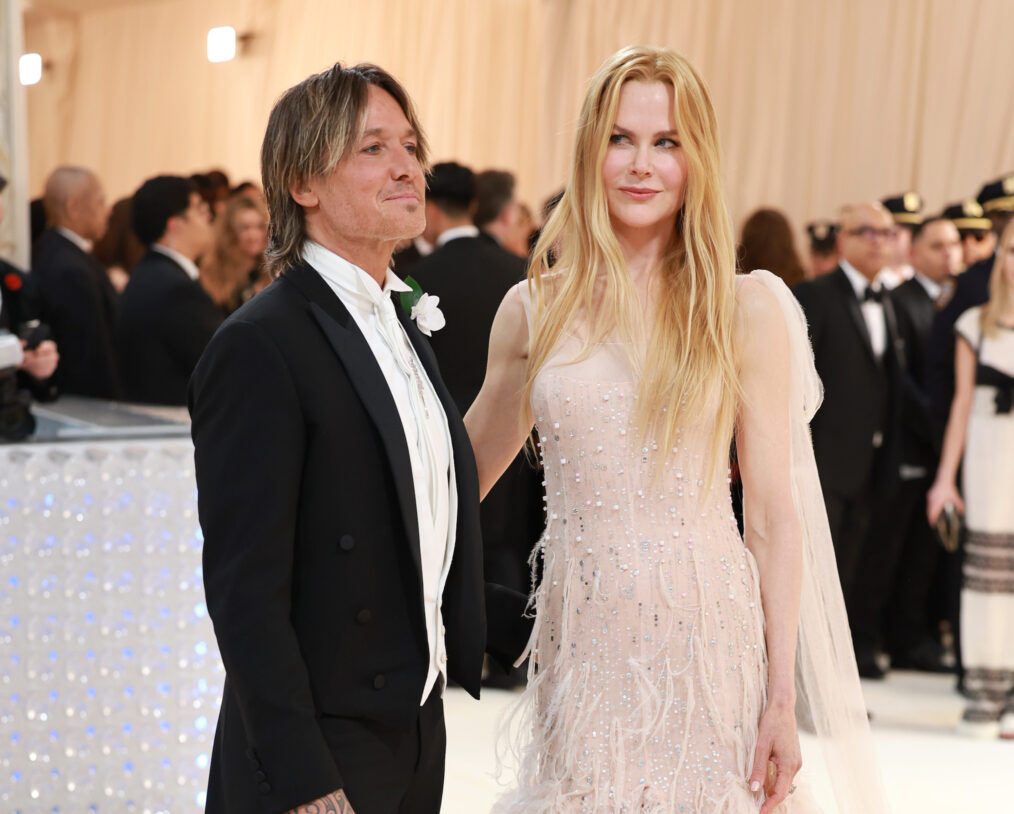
[{"x": 818, "y": 103}]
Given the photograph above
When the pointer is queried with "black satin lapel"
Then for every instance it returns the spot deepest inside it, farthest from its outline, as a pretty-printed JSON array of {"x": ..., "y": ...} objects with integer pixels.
[
  {"x": 371, "y": 387},
  {"x": 852, "y": 303},
  {"x": 894, "y": 338}
]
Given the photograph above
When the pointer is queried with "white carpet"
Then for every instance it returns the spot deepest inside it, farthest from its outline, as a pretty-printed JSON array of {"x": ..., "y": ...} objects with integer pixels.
[{"x": 927, "y": 767}]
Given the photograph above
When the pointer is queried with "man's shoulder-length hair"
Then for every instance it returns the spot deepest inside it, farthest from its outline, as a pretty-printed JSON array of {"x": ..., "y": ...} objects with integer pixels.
[{"x": 311, "y": 128}]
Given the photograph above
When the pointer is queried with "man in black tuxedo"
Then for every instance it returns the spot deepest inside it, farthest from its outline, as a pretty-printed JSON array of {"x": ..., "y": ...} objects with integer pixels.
[
  {"x": 166, "y": 317},
  {"x": 471, "y": 275},
  {"x": 338, "y": 490},
  {"x": 499, "y": 214},
  {"x": 906, "y": 551},
  {"x": 853, "y": 331},
  {"x": 78, "y": 299}
]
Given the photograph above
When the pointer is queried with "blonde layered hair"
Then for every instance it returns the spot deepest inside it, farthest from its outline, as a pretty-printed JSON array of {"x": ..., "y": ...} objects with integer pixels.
[
  {"x": 311, "y": 128},
  {"x": 999, "y": 286},
  {"x": 688, "y": 364}
]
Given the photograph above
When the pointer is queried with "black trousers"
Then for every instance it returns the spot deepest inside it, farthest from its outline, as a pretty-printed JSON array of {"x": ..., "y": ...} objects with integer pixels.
[
  {"x": 390, "y": 771},
  {"x": 849, "y": 519},
  {"x": 896, "y": 568}
]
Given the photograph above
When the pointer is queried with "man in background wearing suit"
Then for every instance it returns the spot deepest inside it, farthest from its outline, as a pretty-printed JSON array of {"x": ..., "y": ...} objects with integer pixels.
[
  {"x": 166, "y": 317},
  {"x": 338, "y": 489},
  {"x": 498, "y": 213},
  {"x": 894, "y": 611},
  {"x": 853, "y": 332},
  {"x": 471, "y": 274},
  {"x": 78, "y": 299}
]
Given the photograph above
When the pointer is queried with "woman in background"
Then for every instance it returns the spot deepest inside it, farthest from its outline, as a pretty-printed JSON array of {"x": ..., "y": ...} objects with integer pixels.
[
  {"x": 766, "y": 243},
  {"x": 980, "y": 438},
  {"x": 234, "y": 271}
]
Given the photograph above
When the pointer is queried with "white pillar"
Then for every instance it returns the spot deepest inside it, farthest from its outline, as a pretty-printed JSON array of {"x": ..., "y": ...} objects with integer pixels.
[{"x": 14, "y": 229}]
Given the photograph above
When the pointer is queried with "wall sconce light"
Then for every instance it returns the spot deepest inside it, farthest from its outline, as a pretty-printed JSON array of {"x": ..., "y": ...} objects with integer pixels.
[
  {"x": 30, "y": 69},
  {"x": 221, "y": 43}
]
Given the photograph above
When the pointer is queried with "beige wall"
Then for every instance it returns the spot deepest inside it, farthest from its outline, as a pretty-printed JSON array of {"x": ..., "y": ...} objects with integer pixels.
[{"x": 819, "y": 101}]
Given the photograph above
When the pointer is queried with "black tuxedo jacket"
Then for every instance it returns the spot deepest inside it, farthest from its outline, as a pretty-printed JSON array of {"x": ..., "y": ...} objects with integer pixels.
[
  {"x": 311, "y": 555},
  {"x": 79, "y": 304},
  {"x": 861, "y": 393},
  {"x": 915, "y": 311},
  {"x": 165, "y": 322},
  {"x": 471, "y": 275},
  {"x": 971, "y": 288}
]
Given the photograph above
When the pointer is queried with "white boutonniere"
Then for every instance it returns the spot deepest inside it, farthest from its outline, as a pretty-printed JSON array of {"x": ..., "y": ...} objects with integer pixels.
[{"x": 423, "y": 308}]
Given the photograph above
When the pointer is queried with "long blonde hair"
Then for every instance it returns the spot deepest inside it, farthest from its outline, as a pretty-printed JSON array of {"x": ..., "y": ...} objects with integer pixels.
[
  {"x": 689, "y": 363},
  {"x": 999, "y": 286}
]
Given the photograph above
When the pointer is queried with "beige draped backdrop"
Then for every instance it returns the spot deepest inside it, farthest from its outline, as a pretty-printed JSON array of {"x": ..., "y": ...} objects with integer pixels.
[{"x": 819, "y": 101}]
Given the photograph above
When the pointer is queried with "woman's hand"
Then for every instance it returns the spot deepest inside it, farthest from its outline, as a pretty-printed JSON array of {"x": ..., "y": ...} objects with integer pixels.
[
  {"x": 940, "y": 494},
  {"x": 777, "y": 744}
]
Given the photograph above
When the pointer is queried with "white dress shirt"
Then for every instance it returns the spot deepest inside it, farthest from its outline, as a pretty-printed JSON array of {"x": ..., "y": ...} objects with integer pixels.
[
  {"x": 873, "y": 312},
  {"x": 932, "y": 289},
  {"x": 455, "y": 232},
  {"x": 188, "y": 265},
  {"x": 425, "y": 425}
]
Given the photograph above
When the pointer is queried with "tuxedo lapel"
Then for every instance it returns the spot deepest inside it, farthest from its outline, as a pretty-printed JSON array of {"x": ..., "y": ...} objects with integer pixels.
[
  {"x": 852, "y": 305},
  {"x": 348, "y": 342}
]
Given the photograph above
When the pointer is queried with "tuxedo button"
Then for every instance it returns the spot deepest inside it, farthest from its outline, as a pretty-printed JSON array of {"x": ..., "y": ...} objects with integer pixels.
[
  {"x": 251, "y": 756},
  {"x": 346, "y": 543},
  {"x": 379, "y": 682},
  {"x": 264, "y": 787},
  {"x": 878, "y": 439},
  {"x": 262, "y": 775},
  {"x": 364, "y": 616}
]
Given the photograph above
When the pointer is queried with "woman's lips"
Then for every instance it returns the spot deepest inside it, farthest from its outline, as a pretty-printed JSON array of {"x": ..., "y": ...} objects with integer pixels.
[{"x": 639, "y": 193}]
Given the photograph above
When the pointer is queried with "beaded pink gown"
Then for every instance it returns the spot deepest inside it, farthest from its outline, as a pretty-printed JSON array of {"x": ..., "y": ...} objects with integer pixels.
[{"x": 648, "y": 660}]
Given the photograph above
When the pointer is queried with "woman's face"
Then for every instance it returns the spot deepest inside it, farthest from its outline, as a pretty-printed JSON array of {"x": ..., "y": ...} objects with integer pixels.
[
  {"x": 645, "y": 170},
  {"x": 251, "y": 232}
]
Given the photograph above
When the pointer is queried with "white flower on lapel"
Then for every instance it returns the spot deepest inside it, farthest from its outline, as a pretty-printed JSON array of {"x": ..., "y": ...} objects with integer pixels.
[{"x": 427, "y": 314}]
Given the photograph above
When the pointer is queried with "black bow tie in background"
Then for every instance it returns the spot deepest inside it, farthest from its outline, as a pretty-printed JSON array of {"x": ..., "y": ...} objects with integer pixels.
[{"x": 873, "y": 294}]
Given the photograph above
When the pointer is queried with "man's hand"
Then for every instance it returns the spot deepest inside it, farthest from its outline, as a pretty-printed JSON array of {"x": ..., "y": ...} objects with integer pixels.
[
  {"x": 334, "y": 803},
  {"x": 41, "y": 363}
]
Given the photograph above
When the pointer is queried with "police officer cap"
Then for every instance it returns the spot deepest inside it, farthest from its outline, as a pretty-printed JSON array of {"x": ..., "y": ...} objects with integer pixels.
[
  {"x": 967, "y": 214},
  {"x": 823, "y": 234},
  {"x": 998, "y": 195},
  {"x": 905, "y": 208}
]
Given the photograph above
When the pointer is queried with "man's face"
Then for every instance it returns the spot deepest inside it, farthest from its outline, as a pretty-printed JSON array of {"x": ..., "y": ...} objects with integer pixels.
[
  {"x": 866, "y": 238},
  {"x": 977, "y": 244},
  {"x": 376, "y": 193},
  {"x": 92, "y": 210},
  {"x": 901, "y": 245},
  {"x": 192, "y": 229},
  {"x": 936, "y": 253}
]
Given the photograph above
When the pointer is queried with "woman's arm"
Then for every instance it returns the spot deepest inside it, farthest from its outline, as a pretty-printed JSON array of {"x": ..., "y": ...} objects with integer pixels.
[
  {"x": 772, "y": 531},
  {"x": 498, "y": 422},
  {"x": 945, "y": 486}
]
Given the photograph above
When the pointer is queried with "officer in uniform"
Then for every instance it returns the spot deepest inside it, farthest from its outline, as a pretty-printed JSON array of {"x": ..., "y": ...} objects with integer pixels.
[{"x": 906, "y": 211}]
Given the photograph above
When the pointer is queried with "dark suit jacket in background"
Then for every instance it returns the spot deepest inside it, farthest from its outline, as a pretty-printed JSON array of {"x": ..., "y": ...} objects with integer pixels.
[
  {"x": 165, "y": 322},
  {"x": 861, "y": 394},
  {"x": 79, "y": 305},
  {"x": 471, "y": 275},
  {"x": 915, "y": 312},
  {"x": 971, "y": 289},
  {"x": 311, "y": 559}
]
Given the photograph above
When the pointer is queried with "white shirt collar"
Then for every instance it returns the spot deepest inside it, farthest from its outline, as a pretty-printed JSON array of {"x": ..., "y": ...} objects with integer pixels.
[
  {"x": 859, "y": 283},
  {"x": 933, "y": 289},
  {"x": 349, "y": 277},
  {"x": 83, "y": 244},
  {"x": 188, "y": 265},
  {"x": 455, "y": 232}
]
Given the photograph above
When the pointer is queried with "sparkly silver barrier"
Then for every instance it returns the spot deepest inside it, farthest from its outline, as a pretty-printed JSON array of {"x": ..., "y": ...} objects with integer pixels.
[{"x": 110, "y": 680}]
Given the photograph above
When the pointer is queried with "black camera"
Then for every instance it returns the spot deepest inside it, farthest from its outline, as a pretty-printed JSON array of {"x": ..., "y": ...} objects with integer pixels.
[{"x": 16, "y": 420}]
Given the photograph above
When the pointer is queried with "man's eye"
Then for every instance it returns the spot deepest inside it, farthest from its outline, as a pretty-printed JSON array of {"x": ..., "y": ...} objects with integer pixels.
[
  {"x": 373, "y": 148},
  {"x": 412, "y": 148}
]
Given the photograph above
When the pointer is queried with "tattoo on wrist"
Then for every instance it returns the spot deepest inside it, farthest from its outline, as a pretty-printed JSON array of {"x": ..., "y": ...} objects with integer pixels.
[{"x": 334, "y": 803}]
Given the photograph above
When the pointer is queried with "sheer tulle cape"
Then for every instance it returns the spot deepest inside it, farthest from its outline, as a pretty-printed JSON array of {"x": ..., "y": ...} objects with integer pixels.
[{"x": 830, "y": 699}]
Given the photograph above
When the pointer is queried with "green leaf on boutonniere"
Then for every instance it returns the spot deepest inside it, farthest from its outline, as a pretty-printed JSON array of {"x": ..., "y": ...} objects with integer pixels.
[{"x": 410, "y": 298}]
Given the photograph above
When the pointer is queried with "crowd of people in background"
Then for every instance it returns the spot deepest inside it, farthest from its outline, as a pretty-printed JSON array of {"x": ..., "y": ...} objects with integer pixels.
[{"x": 896, "y": 298}]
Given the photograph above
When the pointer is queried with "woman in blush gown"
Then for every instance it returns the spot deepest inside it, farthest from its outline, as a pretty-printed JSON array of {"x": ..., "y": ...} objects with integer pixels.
[{"x": 664, "y": 670}]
